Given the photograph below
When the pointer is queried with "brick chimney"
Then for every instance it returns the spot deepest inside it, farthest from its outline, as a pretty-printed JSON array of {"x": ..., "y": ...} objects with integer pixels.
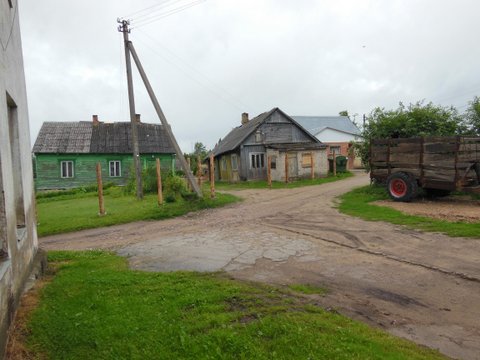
[
  {"x": 244, "y": 118},
  {"x": 137, "y": 118},
  {"x": 95, "y": 120}
]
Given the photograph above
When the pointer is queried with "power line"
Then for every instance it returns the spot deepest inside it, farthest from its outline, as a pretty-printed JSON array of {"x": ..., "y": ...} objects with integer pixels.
[
  {"x": 5, "y": 47},
  {"x": 194, "y": 70},
  {"x": 165, "y": 14},
  {"x": 161, "y": 4},
  {"x": 209, "y": 88}
]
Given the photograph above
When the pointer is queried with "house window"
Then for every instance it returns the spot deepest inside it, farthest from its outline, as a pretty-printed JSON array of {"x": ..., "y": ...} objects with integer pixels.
[
  {"x": 234, "y": 162},
  {"x": 223, "y": 163},
  {"x": 66, "y": 169},
  {"x": 258, "y": 136},
  {"x": 306, "y": 160},
  {"x": 273, "y": 164},
  {"x": 115, "y": 168},
  {"x": 3, "y": 221},
  {"x": 335, "y": 150},
  {"x": 257, "y": 160},
  {"x": 14, "y": 134}
]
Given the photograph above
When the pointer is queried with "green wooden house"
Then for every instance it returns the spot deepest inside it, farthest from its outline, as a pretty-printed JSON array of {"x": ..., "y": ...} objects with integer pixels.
[{"x": 66, "y": 153}]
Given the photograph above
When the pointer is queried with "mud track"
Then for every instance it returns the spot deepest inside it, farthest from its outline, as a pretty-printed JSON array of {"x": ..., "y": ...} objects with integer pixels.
[{"x": 421, "y": 286}]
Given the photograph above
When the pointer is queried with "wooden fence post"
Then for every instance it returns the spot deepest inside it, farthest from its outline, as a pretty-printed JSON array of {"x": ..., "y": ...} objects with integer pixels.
[
  {"x": 199, "y": 171},
  {"x": 334, "y": 163},
  {"x": 159, "y": 183},
  {"x": 101, "y": 204},
  {"x": 212, "y": 177},
  {"x": 312, "y": 163},
  {"x": 269, "y": 171},
  {"x": 286, "y": 167}
]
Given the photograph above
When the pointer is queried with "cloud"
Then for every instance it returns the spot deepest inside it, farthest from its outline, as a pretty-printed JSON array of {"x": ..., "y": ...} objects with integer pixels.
[{"x": 215, "y": 60}]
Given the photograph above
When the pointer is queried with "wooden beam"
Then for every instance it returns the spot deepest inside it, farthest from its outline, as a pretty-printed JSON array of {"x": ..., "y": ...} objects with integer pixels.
[
  {"x": 163, "y": 120},
  {"x": 269, "y": 171},
  {"x": 159, "y": 183},
  {"x": 101, "y": 204},
  {"x": 212, "y": 177}
]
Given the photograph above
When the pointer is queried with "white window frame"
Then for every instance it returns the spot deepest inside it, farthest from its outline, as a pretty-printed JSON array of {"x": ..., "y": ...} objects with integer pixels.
[
  {"x": 67, "y": 176},
  {"x": 115, "y": 168},
  {"x": 257, "y": 156}
]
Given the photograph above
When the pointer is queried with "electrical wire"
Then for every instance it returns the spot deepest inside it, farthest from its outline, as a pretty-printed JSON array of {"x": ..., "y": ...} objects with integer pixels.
[
  {"x": 213, "y": 91},
  {"x": 138, "y": 14},
  {"x": 154, "y": 18},
  {"x": 194, "y": 70},
  {"x": 5, "y": 47}
]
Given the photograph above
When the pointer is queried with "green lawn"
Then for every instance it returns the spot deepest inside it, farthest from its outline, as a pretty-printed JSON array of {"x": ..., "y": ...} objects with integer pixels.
[
  {"x": 96, "y": 308},
  {"x": 72, "y": 212},
  {"x": 262, "y": 184},
  {"x": 357, "y": 203}
]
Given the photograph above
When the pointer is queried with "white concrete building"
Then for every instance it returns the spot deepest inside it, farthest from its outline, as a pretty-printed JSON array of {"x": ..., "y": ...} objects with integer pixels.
[{"x": 18, "y": 236}]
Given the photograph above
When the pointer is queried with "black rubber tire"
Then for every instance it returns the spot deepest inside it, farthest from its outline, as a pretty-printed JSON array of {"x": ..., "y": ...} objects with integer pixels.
[
  {"x": 402, "y": 187},
  {"x": 436, "y": 193}
]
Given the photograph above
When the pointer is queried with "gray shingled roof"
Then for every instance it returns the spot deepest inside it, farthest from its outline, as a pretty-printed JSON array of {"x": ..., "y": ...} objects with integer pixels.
[
  {"x": 315, "y": 124},
  {"x": 235, "y": 137},
  {"x": 108, "y": 138}
]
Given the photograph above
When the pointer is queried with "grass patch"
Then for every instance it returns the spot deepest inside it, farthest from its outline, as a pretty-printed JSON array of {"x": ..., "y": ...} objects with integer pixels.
[
  {"x": 357, "y": 203},
  {"x": 308, "y": 289},
  {"x": 66, "y": 213},
  {"x": 262, "y": 184},
  {"x": 97, "y": 308}
]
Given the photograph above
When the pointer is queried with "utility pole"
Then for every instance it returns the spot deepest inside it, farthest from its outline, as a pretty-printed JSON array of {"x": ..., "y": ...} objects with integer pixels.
[
  {"x": 188, "y": 172},
  {"x": 123, "y": 27}
]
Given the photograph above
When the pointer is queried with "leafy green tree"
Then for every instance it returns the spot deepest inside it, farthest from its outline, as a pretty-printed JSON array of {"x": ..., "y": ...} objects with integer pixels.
[
  {"x": 414, "y": 120},
  {"x": 198, "y": 150},
  {"x": 472, "y": 115},
  {"x": 343, "y": 113}
]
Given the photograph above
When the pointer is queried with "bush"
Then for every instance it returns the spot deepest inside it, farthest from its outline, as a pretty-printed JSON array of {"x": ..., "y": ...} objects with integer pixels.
[{"x": 174, "y": 185}]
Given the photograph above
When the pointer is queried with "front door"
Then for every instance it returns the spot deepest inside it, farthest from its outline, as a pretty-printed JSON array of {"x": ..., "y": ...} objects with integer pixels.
[{"x": 257, "y": 169}]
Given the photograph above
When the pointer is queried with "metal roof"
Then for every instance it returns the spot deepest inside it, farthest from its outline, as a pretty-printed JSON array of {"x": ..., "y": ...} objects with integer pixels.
[
  {"x": 108, "y": 138},
  {"x": 315, "y": 124}
]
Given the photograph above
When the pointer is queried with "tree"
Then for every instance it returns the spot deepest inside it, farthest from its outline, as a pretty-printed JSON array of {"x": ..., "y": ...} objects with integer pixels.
[
  {"x": 198, "y": 150},
  {"x": 472, "y": 115},
  {"x": 414, "y": 120},
  {"x": 343, "y": 113}
]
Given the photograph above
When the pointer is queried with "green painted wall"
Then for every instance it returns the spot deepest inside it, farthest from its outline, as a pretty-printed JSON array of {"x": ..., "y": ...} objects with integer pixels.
[{"x": 48, "y": 173}]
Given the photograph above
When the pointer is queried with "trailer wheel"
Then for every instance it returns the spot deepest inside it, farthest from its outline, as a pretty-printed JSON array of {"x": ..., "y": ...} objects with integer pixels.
[{"x": 402, "y": 187}]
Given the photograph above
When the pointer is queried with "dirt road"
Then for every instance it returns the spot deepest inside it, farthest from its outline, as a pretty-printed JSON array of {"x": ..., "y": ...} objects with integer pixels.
[{"x": 424, "y": 287}]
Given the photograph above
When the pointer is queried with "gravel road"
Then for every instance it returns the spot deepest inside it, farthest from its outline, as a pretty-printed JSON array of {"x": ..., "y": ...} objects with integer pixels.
[{"x": 420, "y": 286}]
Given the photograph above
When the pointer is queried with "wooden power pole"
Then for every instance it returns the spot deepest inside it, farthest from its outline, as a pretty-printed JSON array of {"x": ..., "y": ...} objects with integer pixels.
[
  {"x": 129, "y": 48},
  {"x": 163, "y": 120},
  {"x": 131, "y": 102}
]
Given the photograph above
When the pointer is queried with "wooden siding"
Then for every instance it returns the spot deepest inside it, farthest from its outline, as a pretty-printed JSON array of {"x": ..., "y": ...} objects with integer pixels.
[
  {"x": 49, "y": 177},
  {"x": 225, "y": 170}
]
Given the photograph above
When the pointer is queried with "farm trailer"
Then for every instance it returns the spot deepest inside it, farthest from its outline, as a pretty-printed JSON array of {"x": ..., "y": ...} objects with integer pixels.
[{"x": 439, "y": 165}]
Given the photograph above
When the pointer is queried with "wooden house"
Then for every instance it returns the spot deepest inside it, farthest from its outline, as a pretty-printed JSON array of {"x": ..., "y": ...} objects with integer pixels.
[
  {"x": 243, "y": 153},
  {"x": 66, "y": 153}
]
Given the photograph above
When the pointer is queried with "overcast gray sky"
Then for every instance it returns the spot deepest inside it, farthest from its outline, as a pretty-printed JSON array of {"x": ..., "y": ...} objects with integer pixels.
[{"x": 213, "y": 61}]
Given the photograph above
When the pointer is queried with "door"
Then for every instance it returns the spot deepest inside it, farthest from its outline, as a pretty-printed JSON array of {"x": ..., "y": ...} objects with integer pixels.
[
  {"x": 292, "y": 165},
  {"x": 257, "y": 168}
]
